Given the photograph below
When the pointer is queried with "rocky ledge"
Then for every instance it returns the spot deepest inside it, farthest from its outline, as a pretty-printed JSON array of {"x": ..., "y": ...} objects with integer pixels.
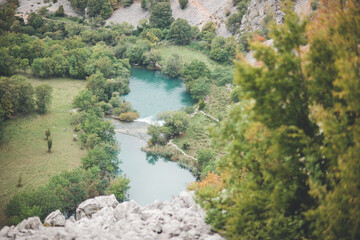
[{"x": 104, "y": 218}]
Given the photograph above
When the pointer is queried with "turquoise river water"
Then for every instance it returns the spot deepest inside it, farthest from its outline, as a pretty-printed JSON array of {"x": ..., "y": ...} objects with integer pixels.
[{"x": 151, "y": 178}]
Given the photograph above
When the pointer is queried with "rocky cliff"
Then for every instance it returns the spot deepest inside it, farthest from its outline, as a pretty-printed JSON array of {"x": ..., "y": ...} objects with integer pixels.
[
  {"x": 104, "y": 218},
  {"x": 257, "y": 10}
]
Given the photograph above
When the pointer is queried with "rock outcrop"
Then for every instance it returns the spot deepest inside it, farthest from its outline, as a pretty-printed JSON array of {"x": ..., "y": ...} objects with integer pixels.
[
  {"x": 55, "y": 219},
  {"x": 257, "y": 11},
  {"x": 105, "y": 218}
]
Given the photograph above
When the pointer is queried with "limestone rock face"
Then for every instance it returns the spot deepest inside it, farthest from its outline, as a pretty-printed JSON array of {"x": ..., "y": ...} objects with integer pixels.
[
  {"x": 55, "y": 219},
  {"x": 104, "y": 218},
  {"x": 257, "y": 11}
]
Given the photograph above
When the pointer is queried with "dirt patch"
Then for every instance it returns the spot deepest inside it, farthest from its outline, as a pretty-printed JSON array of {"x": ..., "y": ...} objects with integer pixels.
[
  {"x": 302, "y": 8},
  {"x": 197, "y": 13},
  {"x": 28, "y": 6}
]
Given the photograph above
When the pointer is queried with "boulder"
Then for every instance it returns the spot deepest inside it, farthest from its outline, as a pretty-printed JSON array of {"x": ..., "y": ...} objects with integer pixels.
[
  {"x": 91, "y": 206},
  {"x": 104, "y": 218},
  {"x": 55, "y": 219}
]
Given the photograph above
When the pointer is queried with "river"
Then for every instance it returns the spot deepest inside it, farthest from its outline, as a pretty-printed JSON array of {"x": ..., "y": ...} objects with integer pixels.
[{"x": 151, "y": 178}]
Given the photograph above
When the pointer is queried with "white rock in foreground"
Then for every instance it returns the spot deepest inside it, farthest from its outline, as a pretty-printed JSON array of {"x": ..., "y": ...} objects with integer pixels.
[{"x": 104, "y": 218}]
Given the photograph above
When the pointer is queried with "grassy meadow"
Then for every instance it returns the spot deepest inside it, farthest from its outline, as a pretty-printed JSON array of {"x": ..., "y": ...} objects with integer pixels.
[
  {"x": 187, "y": 54},
  {"x": 24, "y": 150}
]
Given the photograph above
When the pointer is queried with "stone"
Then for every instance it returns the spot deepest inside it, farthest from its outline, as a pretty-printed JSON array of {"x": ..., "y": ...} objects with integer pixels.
[
  {"x": 4, "y": 231},
  {"x": 55, "y": 219},
  {"x": 104, "y": 218},
  {"x": 91, "y": 206},
  {"x": 75, "y": 137}
]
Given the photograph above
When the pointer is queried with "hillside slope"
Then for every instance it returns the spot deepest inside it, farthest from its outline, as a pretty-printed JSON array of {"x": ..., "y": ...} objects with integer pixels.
[{"x": 197, "y": 13}]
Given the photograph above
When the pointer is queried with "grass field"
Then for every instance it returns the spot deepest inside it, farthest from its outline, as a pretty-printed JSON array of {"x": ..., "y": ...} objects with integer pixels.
[
  {"x": 24, "y": 150},
  {"x": 187, "y": 54}
]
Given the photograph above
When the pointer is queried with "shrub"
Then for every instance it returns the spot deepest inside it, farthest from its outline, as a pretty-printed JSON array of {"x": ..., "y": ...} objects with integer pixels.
[
  {"x": 199, "y": 88},
  {"x": 119, "y": 187},
  {"x": 218, "y": 51},
  {"x": 128, "y": 116},
  {"x": 222, "y": 76},
  {"x": 204, "y": 156},
  {"x": 180, "y": 31},
  {"x": 175, "y": 122},
  {"x": 314, "y": 4},
  {"x": 60, "y": 12},
  {"x": 194, "y": 70},
  {"x": 173, "y": 66},
  {"x": 183, "y": 3},
  {"x": 144, "y": 4},
  {"x": 127, "y": 3},
  {"x": 161, "y": 15},
  {"x": 43, "y": 97}
]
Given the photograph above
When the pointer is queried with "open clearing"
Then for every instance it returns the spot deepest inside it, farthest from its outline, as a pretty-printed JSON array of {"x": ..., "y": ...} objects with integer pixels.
[
  {"x": 187, "y": 54},
  {"x": 24, "y": 150}
]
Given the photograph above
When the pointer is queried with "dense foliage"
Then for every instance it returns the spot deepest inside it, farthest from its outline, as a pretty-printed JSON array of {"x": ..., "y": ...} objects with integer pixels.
[
  {"x": 161, "y": 15},
  {"x": 291, "y": 166},
  {"x": 174, "y": 124},
  {"x": 181, "y": 31}
]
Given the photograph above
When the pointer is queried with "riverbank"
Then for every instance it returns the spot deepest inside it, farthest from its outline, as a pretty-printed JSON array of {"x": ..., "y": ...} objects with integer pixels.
[{"x": 196, "y": 137}]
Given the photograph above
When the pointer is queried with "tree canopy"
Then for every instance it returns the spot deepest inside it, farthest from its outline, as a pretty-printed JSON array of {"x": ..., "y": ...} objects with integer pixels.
[{"x": 161, "y": 15}]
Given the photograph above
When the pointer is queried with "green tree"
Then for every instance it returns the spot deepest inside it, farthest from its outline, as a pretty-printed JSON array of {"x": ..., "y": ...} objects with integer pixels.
[
  {"x": 204, "y": 156},
  {"x": 222, "y": 76},
  {"x": 175, "y": 122},
  {"x": 127, "y": 3},
  {"x": 7, "y": 62},
  {"x": 84, "y": 100},
  {"x": 161, "y": 15},
  {"x": 267, "y": 136},
  {"x": 195, "y": 70},
  {"x": 180, "y": 31},
  {"x": 43, "y": 97},
  {"x": 199, "y": 88},
  {"x": 60, "y": 11},
  {"x": 20, "y": 181},
  {"x": 136, "y": 52},
  {"x": 152, "y": 59},
  {"x": 24, "y": 64},
  {"x": 173, "y": 66},
  {"x": 47, "y": 134},
  {"x": 104, "y": 156},
  {"x": 77, "y": 59},
  {"x": 183, "y": 3},
  {"x": 333, "y": 71},
  {"x": 16, "y": 96},
  {"x": 218, "y": 51},
  {"x": 99, "y": 7},
  {"x": 96, "y": 83},
  {"x": 35, "y": 20},
  {"x": 49, "y": 145},
  {"x": 119, "y": 187},
  {"x": 233, "y": 22},
  {"x": 79, "y": 5}
]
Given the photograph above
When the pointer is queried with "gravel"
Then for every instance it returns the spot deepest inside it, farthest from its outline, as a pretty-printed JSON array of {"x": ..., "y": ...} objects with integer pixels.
[
  {"x": 197, "y": 13},
  {"x": 28, "y": 6}
]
